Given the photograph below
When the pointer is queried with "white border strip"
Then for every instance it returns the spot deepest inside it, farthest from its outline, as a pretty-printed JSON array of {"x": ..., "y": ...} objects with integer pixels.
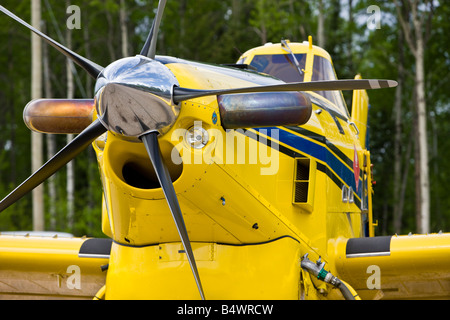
[
  {"x": 98, "y": 256},
  {"x": 368, "y": 254}
]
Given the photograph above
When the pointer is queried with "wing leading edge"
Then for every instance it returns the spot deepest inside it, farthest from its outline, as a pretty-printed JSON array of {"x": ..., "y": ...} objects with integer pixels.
[
  {"x": 42, "y": 267},
  {"x": 397, "y": 267}
]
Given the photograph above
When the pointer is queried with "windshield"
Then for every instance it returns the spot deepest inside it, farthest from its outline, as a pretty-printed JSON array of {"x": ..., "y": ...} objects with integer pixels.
[
  {"x": 280, "y": 66},
  {"x": 283, "y": 67},
  {"x": 323, "y": 70}
]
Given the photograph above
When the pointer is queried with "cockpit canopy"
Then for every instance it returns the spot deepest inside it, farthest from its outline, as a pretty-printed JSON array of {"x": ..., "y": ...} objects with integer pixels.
[{"x": 272, "y": 59}]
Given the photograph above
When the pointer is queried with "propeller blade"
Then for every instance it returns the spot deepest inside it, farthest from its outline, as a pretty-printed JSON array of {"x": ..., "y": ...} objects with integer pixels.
[
  {"x": 152, "y": 145},
  {"x": 66, "y": 154},
  {"x": 149, "y": 49},
  {"x": 181, "y": 94},
  {"x": 92, "y": 68}
]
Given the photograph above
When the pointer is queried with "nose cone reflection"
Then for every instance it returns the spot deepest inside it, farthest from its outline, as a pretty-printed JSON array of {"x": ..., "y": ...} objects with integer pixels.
[{"x": 134, "y": 97}]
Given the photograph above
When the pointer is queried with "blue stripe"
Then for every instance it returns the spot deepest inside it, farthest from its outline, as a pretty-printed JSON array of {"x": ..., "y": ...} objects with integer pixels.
[{"x": 315, "y": 150}]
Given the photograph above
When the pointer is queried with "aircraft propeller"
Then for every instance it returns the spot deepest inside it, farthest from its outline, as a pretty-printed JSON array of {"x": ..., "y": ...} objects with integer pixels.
[
  {"x": 181, "y": 94},
  {"x": 65, "y": 155},
  {"x": 138, "y": 98},
  {"x": 90, "y": 67},
  {"x": 151, "y": 144},
  {"x": 149, "y": 49}
]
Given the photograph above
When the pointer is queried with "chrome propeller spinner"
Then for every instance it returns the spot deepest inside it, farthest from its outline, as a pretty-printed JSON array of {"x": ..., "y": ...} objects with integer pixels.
[{"x": 134, "y": 97}]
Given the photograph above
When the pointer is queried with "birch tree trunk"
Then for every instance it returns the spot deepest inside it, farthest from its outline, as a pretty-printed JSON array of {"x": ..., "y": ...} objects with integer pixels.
[
  {"x": 423, "y": 214},
  {"x": 414, "y": 36},
  {"x": 36, "y": 138},
  {"x": 123, "y": 28}
]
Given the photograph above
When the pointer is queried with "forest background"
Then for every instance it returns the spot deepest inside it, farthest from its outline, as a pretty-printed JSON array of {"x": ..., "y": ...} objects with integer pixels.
[{"x": 378, "y": 39}]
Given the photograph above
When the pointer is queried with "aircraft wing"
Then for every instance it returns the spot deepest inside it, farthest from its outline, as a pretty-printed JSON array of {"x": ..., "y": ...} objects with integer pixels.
[
  {"x": 396, "y": 267},
  {"x": 38, "y": 267}
]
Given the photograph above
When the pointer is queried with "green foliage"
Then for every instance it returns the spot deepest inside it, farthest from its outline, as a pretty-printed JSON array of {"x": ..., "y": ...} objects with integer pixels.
[{"x": 219, "y": 31}]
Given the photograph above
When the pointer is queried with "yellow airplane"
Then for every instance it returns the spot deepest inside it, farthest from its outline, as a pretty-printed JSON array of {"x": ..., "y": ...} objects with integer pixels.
[{"x": 249, "y": 181}]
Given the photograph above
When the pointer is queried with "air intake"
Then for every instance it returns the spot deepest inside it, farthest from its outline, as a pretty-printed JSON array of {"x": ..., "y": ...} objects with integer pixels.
[{"x": 304, "y": 181}]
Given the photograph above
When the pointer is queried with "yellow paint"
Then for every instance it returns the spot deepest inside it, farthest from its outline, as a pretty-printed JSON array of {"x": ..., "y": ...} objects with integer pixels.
[
  {"x": 41, "y": 267},
  {"x": 265, "y": 271},
  {"x": 360, "y": 112},
  {"x": 417, "y": 267}
]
